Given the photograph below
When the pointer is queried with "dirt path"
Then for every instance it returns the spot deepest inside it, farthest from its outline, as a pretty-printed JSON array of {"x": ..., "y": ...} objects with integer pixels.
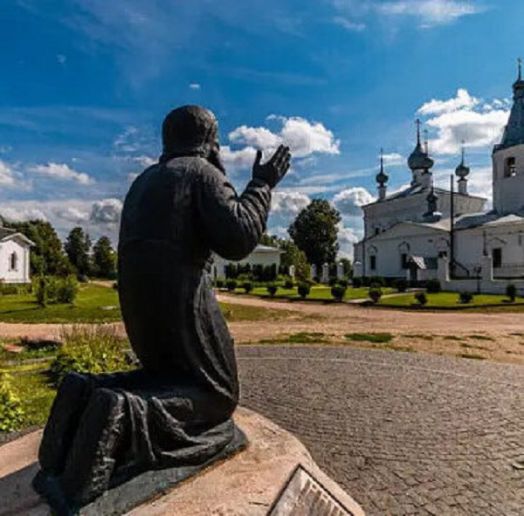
[{"x": 493, "y": 336}]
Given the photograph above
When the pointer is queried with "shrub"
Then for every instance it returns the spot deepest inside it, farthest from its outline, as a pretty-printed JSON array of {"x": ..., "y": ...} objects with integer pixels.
[
  {"x": 272, "y": 289},
  {"x": 115, "y": 285},
  {"x": 421, "y": 298},
  {"x": 247, "y": 286},
  {"x": 289, "y": 284},
  {"x": 377, "y": 281},
  {"x": 433, "y": 286},
  {"x": 332, "y": 281},
  {"x": 401, "y": 284},
  {"x": 231, "y": 285},
  {"x": 343, "y": 283},
  {"x": 67, "y": 290},
  {"x": 89, "y": 349},
  {"x": 11, "y": 412},
  {"x": 82, "y": 278},
  {"x": 511, "y": 292},
  {"x": 219, "y": 283},
  {"x": 357, "y": 282},
  {"x": 375, "y": 294},
  {"x": 338, "y": 292},
  {"x": 465, "y": 297},
  {"x": 41, "y": 291},
  {"x": 303, "y": 290}
]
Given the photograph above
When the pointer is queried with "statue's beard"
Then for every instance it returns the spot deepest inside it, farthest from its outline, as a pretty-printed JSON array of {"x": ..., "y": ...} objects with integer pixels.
[{"x": 214, "y": 159}]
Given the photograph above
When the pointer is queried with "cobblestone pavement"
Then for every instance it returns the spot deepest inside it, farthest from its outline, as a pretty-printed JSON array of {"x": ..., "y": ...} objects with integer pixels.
[{"x": 403, "y": 433}]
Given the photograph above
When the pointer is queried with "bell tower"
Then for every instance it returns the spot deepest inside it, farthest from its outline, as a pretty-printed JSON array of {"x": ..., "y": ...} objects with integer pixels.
[{"x": 508, "y": 157}]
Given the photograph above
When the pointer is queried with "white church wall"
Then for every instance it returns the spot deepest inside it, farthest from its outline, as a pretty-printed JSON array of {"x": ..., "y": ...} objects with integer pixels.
[
  {"x": 389, "y": 247},
  {"x": 264, "y": 258},
  {"x": 385, "y": 214},
  {"x": 20, "y": 273}
]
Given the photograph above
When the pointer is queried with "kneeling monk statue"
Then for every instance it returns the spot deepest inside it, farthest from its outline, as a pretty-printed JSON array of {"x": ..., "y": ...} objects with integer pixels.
[{"x": 175, "y": 411}]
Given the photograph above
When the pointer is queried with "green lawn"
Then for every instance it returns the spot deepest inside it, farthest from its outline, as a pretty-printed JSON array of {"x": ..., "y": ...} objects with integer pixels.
[
  {"x": 99, "y": 304},
  {"x": 318, "y": 293},
  {"x": 449, "y": 300}
]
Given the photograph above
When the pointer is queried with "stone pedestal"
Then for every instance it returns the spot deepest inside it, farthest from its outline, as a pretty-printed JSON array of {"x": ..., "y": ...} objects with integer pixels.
[{"x": 275, "y": 475}]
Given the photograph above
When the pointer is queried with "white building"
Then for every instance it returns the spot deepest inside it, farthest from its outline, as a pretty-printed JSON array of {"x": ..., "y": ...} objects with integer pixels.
[
  {"x": 14, "y": 257},
  {"x": 261, "y": 255},
  {"x": 407, "y": 234}
]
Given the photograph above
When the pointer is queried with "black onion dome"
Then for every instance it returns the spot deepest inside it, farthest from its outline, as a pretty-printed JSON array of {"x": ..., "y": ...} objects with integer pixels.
[
  {"x": 462, "y": 171},
  {"x": 418, "y": 159}
]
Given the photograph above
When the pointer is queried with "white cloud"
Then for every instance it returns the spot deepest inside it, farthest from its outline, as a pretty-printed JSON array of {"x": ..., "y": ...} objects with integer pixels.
[
  {"x": 72, "y": 214},
  {"x": 238, "y": 159},
  {"x": 6, "y": 174},
  {"x": 106, "y": 211},
  {"x": 348, "y": 24},
  {"x": 464, "y": 118},
  {"x": 463, "y": 100},
  {"x": 347, "y": 236},
  {"x": 258, "y": 137},
  {"x": 144, "y": 161},
  {"x": 288, "y": 203},
  {"x": 393, "y": 159},
  {"x": 62, "y": 171},
  {"x": 22, "y": 213},
  {"x": 304, "y": 138},
  {"x": 430, "y": 13},
  {"x": 61, "y": 58},
  {"x": 350, "y": 201},
  {"x": 426, "y": 13},
  {"x": 194, "y": 86}
]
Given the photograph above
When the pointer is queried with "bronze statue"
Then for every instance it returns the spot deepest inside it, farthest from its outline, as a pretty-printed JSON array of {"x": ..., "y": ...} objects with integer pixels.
[{"x": 175, "y": 411}]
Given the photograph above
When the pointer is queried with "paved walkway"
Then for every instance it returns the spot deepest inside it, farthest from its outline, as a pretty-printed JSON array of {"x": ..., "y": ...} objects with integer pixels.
[{"x": 403, "y": 433}]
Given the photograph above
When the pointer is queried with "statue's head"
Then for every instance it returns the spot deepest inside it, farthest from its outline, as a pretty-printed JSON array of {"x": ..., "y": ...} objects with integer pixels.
[{"x": 191, "y": 131}]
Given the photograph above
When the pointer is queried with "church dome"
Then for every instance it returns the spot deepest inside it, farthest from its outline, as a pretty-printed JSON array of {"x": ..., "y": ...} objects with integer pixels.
[
  {"x": 382, "y": 178},
  {"x": 418, "y": 159},
  {"x": 462, "y": 171}
]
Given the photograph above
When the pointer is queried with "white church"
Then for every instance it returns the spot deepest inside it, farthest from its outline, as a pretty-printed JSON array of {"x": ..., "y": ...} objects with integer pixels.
[{"x": 424, "y": 232}]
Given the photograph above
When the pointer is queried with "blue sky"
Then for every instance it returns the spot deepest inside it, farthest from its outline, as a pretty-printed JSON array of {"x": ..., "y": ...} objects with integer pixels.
[{"x": 86, "y": 83}]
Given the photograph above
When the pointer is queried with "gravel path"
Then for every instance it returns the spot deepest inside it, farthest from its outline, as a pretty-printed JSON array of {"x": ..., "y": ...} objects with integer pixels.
[{"x": 403, "y": 433}]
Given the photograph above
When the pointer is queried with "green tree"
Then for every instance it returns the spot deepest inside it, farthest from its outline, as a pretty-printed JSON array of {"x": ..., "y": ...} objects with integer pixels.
[
  {"x": 47, "y": 255},
  {"x": 104, "y": 258},
  {"x": 294, "y": 256},
  {"x": 77, "y": 247},
  {"x": 269, "y": 240},
  {"x": 314, "y": 231}
]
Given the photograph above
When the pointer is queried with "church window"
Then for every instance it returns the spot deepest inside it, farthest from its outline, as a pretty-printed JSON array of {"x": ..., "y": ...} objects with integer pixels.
[
  {"x": 373, "y": 262},
  {"x": 497, "y": 257},
  {"x": 13, "y": 262},
  {"x": 510, "y": 168},
  {"x": 404, "y": 260}
]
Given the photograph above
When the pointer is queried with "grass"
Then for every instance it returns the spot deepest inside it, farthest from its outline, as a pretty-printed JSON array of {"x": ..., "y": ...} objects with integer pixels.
[
  {"x": 299, "y": 338},
  {"x": 318, "y": 293},
  {"x": 377, "y": 338},
  {"x": 472, "y": 356},
  {"x": 31, "y": 385},
  {"x": 94, "y": 303},
  {"x": 449, "y": 300},
  {"x": 99, "y": 304}
]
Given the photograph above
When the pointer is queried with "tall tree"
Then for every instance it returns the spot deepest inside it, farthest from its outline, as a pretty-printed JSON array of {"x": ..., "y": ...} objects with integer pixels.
[
  {"x": 47, "y": 255},
  {"x": 314, "y": 231},
  {"x": 269, "y": 240},
  {"x": 104, "y": 258},
  {"x": 294, "y": 256},
  {"x": 77, "y": 247}
]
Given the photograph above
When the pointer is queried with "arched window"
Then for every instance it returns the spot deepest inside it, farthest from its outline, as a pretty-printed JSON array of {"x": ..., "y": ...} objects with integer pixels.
[
  {"x": 510, "y": 167},
  {"x": 13, "y": 261}
]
